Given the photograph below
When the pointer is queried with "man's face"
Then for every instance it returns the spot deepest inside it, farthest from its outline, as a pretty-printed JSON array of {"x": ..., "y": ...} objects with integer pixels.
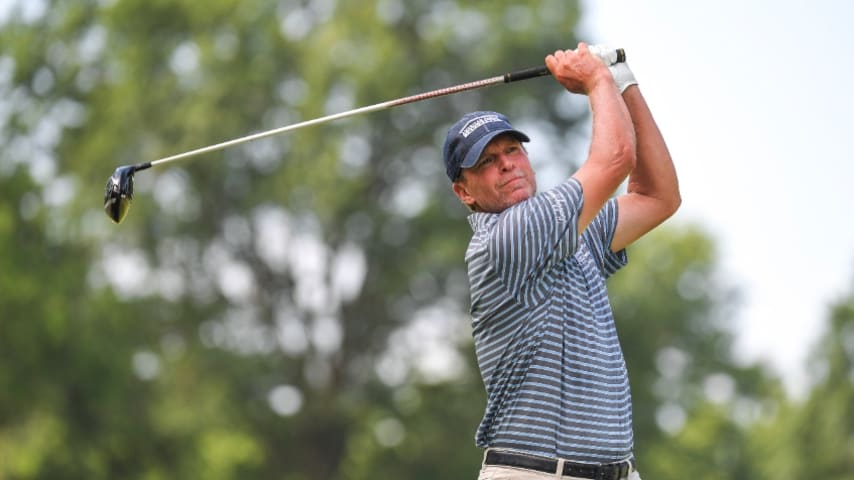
[{"x": 502, "y": 177}]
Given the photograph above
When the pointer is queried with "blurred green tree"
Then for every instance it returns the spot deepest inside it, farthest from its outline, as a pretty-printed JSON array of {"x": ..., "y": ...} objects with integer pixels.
[{"x": 813, "y": 437}]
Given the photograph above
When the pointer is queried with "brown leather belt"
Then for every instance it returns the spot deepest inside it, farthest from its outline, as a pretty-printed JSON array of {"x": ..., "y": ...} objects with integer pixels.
[{"x": 606, "y": 471}]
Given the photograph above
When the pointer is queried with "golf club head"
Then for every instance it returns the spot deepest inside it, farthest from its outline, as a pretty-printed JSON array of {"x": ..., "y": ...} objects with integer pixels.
[{"x": 119, "y": 193}]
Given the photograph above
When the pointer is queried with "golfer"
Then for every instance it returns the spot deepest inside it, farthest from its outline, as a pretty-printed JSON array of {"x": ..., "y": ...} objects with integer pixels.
[{"x": 558, "y": 400}]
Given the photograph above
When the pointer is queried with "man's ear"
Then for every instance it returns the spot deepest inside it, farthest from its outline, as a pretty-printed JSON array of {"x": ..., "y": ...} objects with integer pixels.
[{"x": 462, "y": 193}]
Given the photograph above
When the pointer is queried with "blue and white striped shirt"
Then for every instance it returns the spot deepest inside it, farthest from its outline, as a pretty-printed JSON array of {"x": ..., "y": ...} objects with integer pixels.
[{"x": 544, "y": 333}]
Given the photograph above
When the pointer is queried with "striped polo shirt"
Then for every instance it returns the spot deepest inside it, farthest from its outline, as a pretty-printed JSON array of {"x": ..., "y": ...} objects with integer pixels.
[{"x": 545, "y": 338}]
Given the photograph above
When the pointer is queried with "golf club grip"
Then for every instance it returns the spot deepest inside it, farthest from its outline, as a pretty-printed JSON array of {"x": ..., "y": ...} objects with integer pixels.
[
  {"x": 525, "y": 74},
  {"x": 542, "y": 71}
]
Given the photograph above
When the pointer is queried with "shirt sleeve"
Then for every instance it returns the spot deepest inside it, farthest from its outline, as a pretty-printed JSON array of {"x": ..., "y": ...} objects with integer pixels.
[
  {"x": 598, "y": 236},
  {"x": 532, "y": 236}
]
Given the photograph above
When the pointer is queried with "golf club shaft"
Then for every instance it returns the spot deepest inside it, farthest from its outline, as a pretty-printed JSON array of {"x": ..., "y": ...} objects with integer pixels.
[
  {"x": 368, "y": 109},
  {"x": 506, "y": 78}
]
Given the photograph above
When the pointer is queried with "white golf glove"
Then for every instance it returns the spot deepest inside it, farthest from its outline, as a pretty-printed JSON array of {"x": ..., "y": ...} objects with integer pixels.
[{"x": 623, "y": 76}]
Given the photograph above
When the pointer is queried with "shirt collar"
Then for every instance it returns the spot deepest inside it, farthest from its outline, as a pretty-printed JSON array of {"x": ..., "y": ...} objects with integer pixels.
[{"x": 481, "y": 220}]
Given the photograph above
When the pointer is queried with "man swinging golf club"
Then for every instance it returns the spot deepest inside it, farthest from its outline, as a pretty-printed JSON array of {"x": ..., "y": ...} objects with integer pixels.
[{"x": 558, "y": 400}]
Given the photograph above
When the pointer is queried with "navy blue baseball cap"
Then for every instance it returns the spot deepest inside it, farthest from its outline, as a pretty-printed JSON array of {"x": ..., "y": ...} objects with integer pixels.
[{"x": 468, "y": 137}]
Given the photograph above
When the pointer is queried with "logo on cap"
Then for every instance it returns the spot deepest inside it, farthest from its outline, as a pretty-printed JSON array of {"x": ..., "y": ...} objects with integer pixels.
[{"x": 476, "y": 123}]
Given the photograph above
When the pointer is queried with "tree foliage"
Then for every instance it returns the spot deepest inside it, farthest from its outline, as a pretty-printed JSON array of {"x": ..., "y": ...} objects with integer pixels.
[{"x": 814, "y": 436}]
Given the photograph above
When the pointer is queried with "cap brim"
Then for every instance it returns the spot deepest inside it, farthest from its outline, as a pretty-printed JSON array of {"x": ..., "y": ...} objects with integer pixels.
[{"x": 474, "y": 153}]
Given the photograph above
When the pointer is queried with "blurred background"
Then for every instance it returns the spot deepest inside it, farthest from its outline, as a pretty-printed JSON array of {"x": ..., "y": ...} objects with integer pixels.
[{"x": 296, "y": 308}]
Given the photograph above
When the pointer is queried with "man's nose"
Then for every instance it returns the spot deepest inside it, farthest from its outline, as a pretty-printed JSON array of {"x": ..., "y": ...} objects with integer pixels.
[{"x": 506, "y": 162}]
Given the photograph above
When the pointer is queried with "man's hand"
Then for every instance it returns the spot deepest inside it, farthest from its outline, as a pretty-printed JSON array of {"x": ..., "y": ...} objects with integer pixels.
[
  {"x": 623, "y": 76},
  {"x": 579, "y": 71},
  {"x": 608, "y": 55}
]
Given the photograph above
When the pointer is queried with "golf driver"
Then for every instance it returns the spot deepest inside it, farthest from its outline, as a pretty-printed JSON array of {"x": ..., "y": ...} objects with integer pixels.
[{"x": 119, "y": 192}]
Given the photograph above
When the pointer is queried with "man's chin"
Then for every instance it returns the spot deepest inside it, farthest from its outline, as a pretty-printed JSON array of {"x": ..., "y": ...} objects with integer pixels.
[{"x": 521, "y": 194}]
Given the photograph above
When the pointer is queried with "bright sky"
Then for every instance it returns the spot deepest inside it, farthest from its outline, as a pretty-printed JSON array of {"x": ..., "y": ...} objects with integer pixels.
[{"x": 755, "y": 99}]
